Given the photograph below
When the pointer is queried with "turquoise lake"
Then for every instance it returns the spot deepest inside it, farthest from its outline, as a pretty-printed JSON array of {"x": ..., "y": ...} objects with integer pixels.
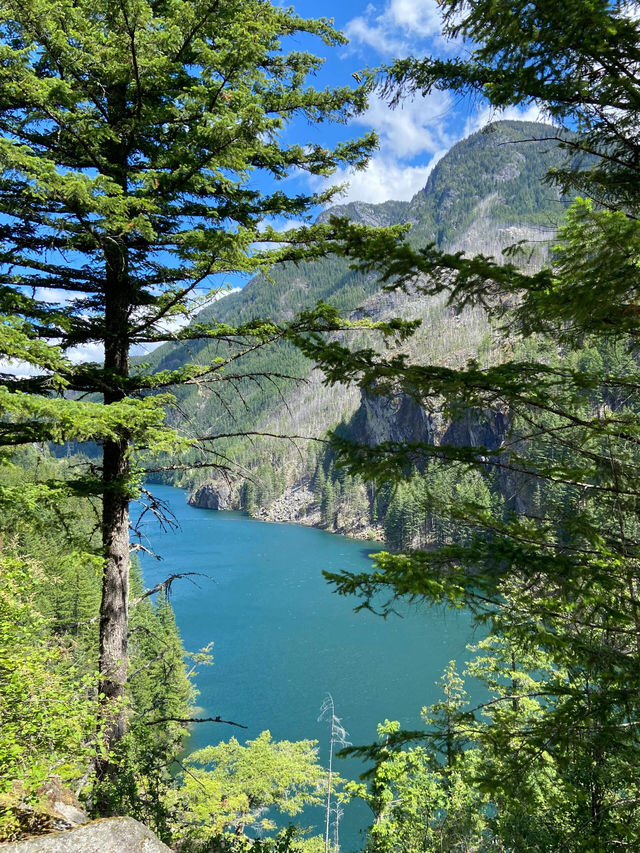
[{"x": 283, "y": 639}]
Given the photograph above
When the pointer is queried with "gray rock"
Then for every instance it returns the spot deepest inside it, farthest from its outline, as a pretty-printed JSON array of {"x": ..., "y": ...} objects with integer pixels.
[
  {"x": 216, "y": 494},
  {"x": 62, "y": 804},
  {"x": 110, "y": 835},
  {"x": 73, "y": 815}
]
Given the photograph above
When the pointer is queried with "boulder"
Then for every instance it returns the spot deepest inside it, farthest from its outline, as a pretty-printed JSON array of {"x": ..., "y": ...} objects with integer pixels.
[
  {"x": 109, "y": 835},
  {"x": 53, "y": 808}
]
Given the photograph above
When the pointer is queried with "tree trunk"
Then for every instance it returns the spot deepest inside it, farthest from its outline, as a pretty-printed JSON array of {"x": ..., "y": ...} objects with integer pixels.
[{"x": 114, "y": 606}]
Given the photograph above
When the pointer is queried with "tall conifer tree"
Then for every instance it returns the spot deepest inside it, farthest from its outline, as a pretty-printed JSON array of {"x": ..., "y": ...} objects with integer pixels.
[
  {"x": 130, "y": 131},
  {"x": 556, "y": 572}
]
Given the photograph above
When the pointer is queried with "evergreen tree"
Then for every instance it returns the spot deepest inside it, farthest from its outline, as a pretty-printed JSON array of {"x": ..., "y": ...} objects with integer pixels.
[
  {"x": 554, "y": 572},
  {"x": 328, "y": 504},
  {"x": 128, "y": 134}
]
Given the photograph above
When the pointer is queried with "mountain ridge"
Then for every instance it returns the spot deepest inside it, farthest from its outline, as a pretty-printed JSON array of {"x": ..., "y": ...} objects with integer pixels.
[{"x": 485, "y": 194}]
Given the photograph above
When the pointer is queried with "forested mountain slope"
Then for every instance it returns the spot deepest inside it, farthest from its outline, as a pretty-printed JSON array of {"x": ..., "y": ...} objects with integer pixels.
[{"x": 486, "y": 194}]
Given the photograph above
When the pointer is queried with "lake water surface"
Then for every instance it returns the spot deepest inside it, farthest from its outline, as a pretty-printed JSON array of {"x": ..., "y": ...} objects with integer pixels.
[{"x": 283, "y": 638}]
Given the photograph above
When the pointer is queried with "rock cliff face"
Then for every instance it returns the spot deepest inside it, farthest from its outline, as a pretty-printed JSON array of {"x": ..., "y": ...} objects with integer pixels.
[
  {"x": 484, "y": 195},
  {"x": 217, "y": 494},
  {"x": 392, "y": 419},
  {"x": 477, "y": 429},
  {"x": 381, "y": 419}
]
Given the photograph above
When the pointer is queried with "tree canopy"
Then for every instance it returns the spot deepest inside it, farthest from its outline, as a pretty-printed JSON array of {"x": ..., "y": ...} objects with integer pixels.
[
  {"x": 132, "y": 137},
  {"x": 552, "y": 571}
]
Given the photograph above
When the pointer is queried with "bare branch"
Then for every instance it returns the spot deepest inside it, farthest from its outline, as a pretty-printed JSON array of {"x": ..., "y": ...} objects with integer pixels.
[
  {"x": 194, "y": 720},
  {"x": 166, "y": 585}
]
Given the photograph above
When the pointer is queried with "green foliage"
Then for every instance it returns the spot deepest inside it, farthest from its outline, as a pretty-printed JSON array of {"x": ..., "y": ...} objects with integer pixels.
[
  {"x": 49, "y": 724},
  {"x": 552, "y": 569},
  {"x": 229, "y": 788},
  {"x": 50, "y": 593},
  {"x": 436, "y": 504},
  {"x": 420, "y": 804}
]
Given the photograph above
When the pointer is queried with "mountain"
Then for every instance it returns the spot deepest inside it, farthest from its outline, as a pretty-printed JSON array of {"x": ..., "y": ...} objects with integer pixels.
[{"x": 487, "y": 193}]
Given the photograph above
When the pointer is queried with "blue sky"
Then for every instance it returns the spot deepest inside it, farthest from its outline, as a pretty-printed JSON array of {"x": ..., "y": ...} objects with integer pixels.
[{"x": 415, "y": 135}]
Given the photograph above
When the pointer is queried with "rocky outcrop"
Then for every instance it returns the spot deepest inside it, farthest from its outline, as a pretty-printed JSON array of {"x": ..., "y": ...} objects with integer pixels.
[
  {"x": 382, "y": 418},
  {"x": 400, "y": 419},
  {"x": 376, "y": 215},
  {"x": 298, "y": 505},
  {"x": 111, "y": 835},
  {"x": 53, "y": 808},
  {"x": 477, "y": 429},
  {"x": 488, "y": 236},
  {"x": 218, "y": 494},
  {"x": 347, "y": 523}
]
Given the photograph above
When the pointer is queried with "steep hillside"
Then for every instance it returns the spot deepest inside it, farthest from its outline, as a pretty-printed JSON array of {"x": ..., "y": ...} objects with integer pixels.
[
  {"x": 497, "y": 173},
  {"x": 487, "y": 193}
]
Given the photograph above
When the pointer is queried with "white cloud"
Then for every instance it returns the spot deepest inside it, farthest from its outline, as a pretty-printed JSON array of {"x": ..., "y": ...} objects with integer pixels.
[
  {"x": 224, "y": 293},
  {"x": 93, "y": 352},
  {"x": 384, "y": 179},
  {"x": 280, "y": 224},
  {"x": 417, "y": 128},
  {"x": 629, "y": 10},
  {"x": 20, "y": 369},
  {"x": 360, "y": 31},
  {"x": 419, "y": 16},
  {"x": 401, "y": 25}
]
